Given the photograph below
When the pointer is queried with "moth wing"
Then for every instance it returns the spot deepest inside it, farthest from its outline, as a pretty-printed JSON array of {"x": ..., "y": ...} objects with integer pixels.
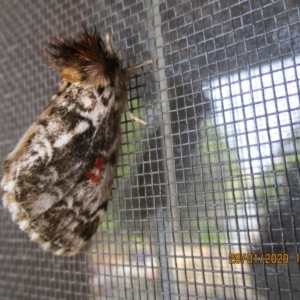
[{"x": 58, "y": 179}]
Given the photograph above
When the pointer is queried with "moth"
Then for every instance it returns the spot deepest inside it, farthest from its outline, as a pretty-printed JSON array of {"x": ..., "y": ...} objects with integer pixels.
[{"x": 57, "y": 181}]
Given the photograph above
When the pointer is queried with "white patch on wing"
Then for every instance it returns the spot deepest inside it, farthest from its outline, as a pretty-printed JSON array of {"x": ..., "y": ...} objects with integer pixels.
[
  {"x": 60, "y": 251},
  {"x": 64, "y": 139},
  {"x": 53, "y": 125},
  {"x": 48, "y": 149},
  {"x": 43, "y": 150},
  {"x": 46, "y": 245},
  {"x": 70, "y": 201},
  {"x": 81, "y": 127},
  {"x": 87, "y": 102},
  {"x": 13, "y": 207},
  {"x": 43, "y": 203},
  {"x": 93, "y": 115},
  {"x": 71, "y": 107},
  {"x": 9, "y": 187},
  {"x": 5, "y": 200},
  {"x": 24, "y": 224},
  {"x": 38, "y": 149},
  {"x": 34, "y": 236}
]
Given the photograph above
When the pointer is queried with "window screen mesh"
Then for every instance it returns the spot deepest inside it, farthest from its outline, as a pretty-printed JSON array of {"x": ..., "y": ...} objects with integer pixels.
[{"x": 213, "y": 177}]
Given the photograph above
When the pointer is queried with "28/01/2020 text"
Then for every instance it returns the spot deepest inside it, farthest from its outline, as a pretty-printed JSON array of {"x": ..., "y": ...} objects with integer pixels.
[{"x": 267, "y": 258}]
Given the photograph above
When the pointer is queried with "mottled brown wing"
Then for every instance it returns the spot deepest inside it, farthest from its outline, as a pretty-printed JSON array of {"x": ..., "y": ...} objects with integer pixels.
[{"x": 58, "y": 180}]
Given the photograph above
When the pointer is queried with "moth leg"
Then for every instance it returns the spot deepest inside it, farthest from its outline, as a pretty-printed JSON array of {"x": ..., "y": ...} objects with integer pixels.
[
  {"x": 132, "y": 70},
  {"x": 64, "y": 84},
  {"x": 62, "y": 87},
  {"x": 135, "y": 118}
]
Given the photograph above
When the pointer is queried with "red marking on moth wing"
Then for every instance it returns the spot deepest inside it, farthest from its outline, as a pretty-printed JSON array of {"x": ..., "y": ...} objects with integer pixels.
[
  {"x": 92, "y": 177},
  {"x": 98, "y": 164},
  {"x": 94, "y": 174}
]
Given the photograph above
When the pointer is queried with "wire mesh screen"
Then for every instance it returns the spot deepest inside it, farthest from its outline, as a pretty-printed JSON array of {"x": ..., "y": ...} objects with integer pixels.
[{"x": 205, "y": 204}]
